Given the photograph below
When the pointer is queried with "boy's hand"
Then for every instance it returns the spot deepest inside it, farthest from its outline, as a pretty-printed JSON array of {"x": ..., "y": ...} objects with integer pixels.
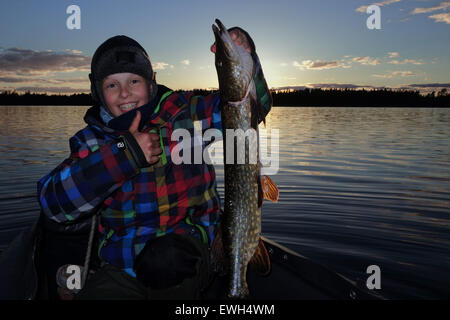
[
  {"x": 149, "y": 142},
  {"x": 239, "y": 39}
]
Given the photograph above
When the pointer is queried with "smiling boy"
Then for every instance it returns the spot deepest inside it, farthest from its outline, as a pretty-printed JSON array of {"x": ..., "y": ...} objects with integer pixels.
[
  {"x": 157, "y": 219},
  {"x": 124, "y": 92}
]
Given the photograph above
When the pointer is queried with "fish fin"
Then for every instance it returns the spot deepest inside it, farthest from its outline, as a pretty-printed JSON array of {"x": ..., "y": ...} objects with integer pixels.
[
  {"x": 260, "y": 262},
  {"x": 218, "y": 259},
  {"x": 269, "y": 189}
]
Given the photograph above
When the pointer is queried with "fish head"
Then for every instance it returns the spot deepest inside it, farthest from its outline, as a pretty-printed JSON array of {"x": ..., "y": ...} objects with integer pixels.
[{"x": 235, "y": 67}]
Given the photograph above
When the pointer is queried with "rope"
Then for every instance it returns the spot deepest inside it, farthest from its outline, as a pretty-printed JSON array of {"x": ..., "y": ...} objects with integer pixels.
[{"x": 88, "y": 252}]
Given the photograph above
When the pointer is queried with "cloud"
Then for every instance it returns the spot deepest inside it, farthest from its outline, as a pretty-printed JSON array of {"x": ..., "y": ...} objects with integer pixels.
[
  {"x": 442, "y": 6},
  {"x": 395, "y": 74},
  {"x": 350, "y": 61},
  {"x": 393, "y": 55},
  {"x": 317, "y": 65},
  {"x": 186, "y": 62},
  {"x": 32, "y": 70},
  {"x": 406, "y": 61},
  {"x": 13, "y": 79},
  {"x": 27, "y": 62},
  {"x": 74, "y": 51},
  {"x": 363, "y": 9},
  {"x": 161, "y": 66},
  {"x": 441, "y": 17},
  {"x": 366, "y": 60}
]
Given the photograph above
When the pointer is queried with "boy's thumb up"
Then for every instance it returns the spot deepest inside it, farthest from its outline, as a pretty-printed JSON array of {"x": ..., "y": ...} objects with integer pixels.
[
  {"x": 134, "y": 127},
  {"x": 147, "y": 142}
]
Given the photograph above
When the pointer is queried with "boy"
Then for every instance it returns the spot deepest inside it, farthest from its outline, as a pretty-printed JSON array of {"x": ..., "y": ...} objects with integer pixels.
[{"x": 157, "y": 219}]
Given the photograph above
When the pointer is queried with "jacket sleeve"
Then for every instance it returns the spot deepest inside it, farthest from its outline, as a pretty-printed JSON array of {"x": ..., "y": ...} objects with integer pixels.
[
  {"x": 85, "y": 179},
  {"x": 207, "y": 108}
]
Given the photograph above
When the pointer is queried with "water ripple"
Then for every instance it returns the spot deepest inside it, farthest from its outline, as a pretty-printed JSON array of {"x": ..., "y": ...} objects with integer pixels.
[{"x": 359, "y": 186}]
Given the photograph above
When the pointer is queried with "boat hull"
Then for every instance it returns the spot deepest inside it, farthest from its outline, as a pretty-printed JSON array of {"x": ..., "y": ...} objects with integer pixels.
[{"x": 293, "y": 276}]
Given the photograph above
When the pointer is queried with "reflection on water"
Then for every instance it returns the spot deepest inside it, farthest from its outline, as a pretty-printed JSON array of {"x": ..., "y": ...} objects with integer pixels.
[{"x": 359, "y": 186}]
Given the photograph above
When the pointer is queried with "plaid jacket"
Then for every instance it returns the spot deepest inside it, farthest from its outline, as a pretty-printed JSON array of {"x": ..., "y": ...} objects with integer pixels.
[{"x": 138, "y": 204}]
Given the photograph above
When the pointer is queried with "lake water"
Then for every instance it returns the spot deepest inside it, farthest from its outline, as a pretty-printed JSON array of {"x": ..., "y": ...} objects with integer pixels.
[{"x": 358, "y": 187}]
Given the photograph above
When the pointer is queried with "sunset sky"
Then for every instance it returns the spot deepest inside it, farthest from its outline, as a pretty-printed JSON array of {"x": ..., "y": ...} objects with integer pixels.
[{"x": 301, "y": 43}]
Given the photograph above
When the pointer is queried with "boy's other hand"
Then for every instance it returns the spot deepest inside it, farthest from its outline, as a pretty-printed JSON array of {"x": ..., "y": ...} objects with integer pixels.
[
  {"x": 149, "y": 142},
  {"x": 239, "y": 39}
]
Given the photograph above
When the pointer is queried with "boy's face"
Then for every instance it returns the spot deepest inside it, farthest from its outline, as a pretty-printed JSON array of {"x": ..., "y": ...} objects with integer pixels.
[{"x": 124, "y": 92}]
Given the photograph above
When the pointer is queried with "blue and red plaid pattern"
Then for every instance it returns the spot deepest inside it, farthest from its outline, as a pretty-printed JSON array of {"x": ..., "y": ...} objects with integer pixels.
[{"x": 138, "y": 204}]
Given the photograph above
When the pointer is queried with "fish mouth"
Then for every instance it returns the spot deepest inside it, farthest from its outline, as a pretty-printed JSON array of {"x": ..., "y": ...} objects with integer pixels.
[
  {"x": 224, "y": 43},
  {"x": 233, "y": 63}
]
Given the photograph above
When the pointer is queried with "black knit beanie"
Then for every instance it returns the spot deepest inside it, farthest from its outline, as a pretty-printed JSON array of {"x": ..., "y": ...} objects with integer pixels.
[{"x": 116, "y": 55}]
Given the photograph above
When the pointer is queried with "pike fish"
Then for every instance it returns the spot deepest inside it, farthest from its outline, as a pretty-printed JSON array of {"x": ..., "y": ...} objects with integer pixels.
[{"x": 238, "y": 242}]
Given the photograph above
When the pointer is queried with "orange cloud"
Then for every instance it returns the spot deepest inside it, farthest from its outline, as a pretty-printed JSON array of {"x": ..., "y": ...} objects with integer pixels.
[
  {"x": 27, "y": 62},
  {"x": 317, "y": 65},
  {"x": 442, "y": 6}
]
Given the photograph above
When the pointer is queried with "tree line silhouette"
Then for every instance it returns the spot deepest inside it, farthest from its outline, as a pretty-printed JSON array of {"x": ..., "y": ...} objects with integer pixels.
[
  {"x": 304, "y": 97},
  {"x": 43, "y": 99},
  {"x": 361, "y": 98}
]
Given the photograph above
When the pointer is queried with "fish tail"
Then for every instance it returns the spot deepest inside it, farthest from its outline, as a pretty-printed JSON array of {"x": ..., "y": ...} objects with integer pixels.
[{"x": 260, "y": 262}]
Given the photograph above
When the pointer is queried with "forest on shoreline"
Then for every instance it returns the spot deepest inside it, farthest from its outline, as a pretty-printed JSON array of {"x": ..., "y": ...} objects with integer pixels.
[{"x": 305, "y": 97}]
